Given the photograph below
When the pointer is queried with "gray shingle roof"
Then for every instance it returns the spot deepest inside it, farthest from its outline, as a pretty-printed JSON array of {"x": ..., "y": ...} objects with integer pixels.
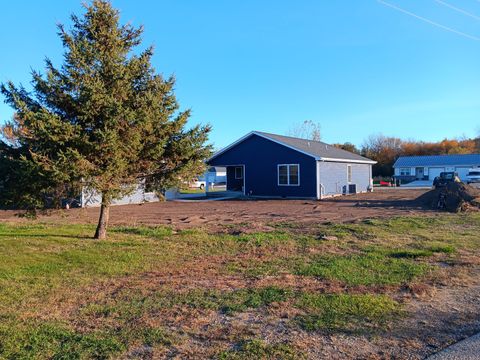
[
  {"x": 438, "y": 160},
  {"x": 316, "y": 149}
]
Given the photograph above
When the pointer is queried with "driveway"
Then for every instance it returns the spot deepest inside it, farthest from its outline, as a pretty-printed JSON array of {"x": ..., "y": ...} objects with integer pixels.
[
  {"x": 419, "y": 184},
  {"x": 468, "y": 349}
]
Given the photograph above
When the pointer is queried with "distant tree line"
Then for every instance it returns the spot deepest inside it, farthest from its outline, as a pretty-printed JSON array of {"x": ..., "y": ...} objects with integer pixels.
[{"x": 385, "y": 150}]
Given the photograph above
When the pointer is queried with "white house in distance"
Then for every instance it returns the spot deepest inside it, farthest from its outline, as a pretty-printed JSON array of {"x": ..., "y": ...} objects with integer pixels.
[
  {"x": 141, "y": 194},
  {"x": 410, "y": 168}
]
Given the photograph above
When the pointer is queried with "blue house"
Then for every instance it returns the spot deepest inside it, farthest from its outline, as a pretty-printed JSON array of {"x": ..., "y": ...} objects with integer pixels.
[{"x": 274, "y": 166}]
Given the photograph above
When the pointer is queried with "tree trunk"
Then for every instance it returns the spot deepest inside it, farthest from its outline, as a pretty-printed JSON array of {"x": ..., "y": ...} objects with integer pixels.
[{"x": 101, "y": 232}]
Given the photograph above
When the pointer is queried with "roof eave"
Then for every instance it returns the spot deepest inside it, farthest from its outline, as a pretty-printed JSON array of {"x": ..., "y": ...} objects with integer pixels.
[
  {"x": 317, "y": 158},
  {"x": 356, "y": 161}
]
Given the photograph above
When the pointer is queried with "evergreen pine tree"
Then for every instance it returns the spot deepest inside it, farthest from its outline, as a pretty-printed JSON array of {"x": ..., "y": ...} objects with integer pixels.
[{"x": 105, "y": 119}]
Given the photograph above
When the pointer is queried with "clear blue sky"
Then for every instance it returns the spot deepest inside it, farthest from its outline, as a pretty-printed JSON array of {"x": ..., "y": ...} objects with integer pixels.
[{"x": 356, "y": 66}]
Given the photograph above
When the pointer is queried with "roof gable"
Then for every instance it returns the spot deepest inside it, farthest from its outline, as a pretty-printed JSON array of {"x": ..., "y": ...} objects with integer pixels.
[{"x": 316, "y": 149}]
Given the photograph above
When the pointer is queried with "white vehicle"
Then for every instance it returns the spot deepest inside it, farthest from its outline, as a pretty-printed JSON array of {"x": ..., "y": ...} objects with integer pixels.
[
  {"x": 473, "y": 175},
  {"x": 199, "y": 183},
  {"x": 216, "y": 176}
]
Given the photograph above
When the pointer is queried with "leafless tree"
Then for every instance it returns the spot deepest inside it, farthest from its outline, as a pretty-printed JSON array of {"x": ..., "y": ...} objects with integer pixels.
[{"x": 307, "y": 129}]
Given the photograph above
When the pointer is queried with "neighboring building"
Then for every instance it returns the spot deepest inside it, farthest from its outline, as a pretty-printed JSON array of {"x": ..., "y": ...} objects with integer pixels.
[
  {"x": 267, "y": 165},
  {"x": 214, "y": 176},
  {"x": 409, "y": 168},
  {"x": 139, "y": 195}
]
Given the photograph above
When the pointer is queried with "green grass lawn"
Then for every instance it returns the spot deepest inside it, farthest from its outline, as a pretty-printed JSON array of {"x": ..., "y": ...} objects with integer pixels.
[
  {"x": 202, "y": 191},
  {"x": 66, "y": 296},
  {"x": 192, "y": 191}
]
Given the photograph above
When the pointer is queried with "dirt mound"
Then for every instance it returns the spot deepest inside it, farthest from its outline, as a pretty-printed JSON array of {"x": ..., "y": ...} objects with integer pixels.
[{"x": 455, "y": 197}]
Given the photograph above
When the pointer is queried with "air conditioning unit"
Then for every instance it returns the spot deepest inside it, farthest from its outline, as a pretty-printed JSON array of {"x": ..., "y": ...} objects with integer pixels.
[{"x": 352, "y": 188}]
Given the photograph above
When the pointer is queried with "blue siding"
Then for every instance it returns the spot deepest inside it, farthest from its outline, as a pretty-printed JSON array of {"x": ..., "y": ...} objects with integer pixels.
[{"x": 261, "y": 157}]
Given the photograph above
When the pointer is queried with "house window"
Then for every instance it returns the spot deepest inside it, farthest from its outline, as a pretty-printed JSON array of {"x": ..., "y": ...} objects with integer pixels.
[
  {"x": 349, "y": 173},
  {"x": 239, "y": 172},
  {"x": 404, "y": 171},
  {"x": 288, "y": 174}
]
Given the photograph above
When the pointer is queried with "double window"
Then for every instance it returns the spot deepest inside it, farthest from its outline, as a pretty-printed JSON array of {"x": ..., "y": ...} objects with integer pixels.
[
  {"x": 404, "y": 171},
  {"x": 288, "y": 174}
]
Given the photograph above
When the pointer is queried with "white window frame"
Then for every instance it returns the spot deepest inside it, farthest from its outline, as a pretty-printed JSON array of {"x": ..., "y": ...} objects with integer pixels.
[
  {"x": 288, "y": 174},
  {"x": 349, "y": 174},
  {"x": 407, "y": 171},
  {"x": 241, "y": 168}
]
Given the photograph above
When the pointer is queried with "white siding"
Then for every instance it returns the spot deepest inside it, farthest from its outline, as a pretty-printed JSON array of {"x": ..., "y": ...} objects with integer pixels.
[
  {"x": 433, "y": 172},
  {"x": 138, "y": 196},
  {"x": 332, "y": 177}
]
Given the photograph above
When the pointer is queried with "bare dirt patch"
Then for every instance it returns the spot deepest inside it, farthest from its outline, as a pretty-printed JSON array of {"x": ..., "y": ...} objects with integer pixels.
[{"x": 254, "y": 214}]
